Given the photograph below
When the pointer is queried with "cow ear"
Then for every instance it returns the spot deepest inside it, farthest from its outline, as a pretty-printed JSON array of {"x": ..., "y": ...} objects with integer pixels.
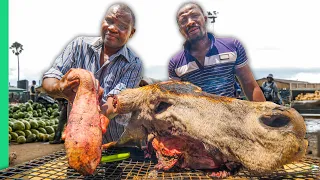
[{"x": 143, "y": 83}]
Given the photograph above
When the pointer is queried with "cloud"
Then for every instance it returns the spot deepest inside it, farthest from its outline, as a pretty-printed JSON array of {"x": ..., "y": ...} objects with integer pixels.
[
  {"x": 309, "y": 77},
  {"x": 156, "y": 72},
  {"x": 267, "y": 48},
  {"x": 12, "y": 71}
]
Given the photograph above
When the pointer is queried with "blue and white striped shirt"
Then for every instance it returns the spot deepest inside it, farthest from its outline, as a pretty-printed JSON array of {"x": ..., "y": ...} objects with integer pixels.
[
  {"x": 217, "y": 75},
  {"x": 122, "y": 70}
]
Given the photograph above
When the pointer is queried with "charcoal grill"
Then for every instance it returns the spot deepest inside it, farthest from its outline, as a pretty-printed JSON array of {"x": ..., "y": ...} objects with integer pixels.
[{"x": 55, "y": 166}]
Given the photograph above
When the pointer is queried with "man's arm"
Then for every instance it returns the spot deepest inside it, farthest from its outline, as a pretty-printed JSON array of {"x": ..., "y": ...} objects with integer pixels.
[
  {"x": 50, "y": 85},
  {"x": 276, "y": 92},
  {"x": 60, "y": 88},
  {"x": 171, "y": 71},
  {"x": 130, "y": 79},
  {"x": 61, "y": 66},
  {"x": 243, "y": 72},
  {"x": 249, "y": 84},
  {"x": 263, "y": 86}
]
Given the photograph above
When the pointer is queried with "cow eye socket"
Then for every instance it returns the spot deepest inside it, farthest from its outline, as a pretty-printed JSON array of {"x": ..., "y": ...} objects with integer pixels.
[
  {"x": 162, "y": 106},
  {"x": 276, "y": 121}
]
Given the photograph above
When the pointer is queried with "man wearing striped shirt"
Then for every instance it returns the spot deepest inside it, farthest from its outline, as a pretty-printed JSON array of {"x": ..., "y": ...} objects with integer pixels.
[
  {"x": 208, "y": 61},
  {"x": 110, "y": 60}
]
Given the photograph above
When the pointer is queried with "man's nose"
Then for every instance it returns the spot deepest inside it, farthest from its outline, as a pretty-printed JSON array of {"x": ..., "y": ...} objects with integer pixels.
[
  {"x": 190, "y": 22},
  {"x": 112, "y": 28}
]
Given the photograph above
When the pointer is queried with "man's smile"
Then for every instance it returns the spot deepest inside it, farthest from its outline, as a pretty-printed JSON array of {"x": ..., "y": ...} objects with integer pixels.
[{"x": 110, "y": 36}]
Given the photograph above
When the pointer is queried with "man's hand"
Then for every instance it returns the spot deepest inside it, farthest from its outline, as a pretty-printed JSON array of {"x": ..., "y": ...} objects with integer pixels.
[
  {"x": 108, "y": 108},
  {"x": 65, "y": 88},
  {"x": 69, "y": 87}
]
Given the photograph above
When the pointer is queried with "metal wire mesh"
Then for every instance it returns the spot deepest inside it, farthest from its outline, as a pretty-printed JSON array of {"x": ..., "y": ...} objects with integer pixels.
[{"x": 55, "y": 166}]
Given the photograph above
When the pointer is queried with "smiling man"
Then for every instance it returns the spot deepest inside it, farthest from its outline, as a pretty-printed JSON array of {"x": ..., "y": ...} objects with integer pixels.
[
  {"x": 110, "y": 60},
  {"x": 210, "y": 62}
]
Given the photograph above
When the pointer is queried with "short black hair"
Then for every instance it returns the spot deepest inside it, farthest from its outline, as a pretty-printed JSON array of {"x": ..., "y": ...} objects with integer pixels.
[
  {"x": 127, "y": 9},
  {"x": 193, "y": 3},
  {"x": 34, "y": 82}
]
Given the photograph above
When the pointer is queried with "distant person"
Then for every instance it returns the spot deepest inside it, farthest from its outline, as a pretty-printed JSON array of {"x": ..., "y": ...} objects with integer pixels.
[
  {"x": 33, "y": 91},
  {"x": 11, "y": 97},
  {"x": 63, "y": 107},
  {"x": 270, "y": 90}
]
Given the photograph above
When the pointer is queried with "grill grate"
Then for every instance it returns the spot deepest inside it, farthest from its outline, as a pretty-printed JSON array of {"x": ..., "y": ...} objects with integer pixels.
[{"x": 55, "y": 166}]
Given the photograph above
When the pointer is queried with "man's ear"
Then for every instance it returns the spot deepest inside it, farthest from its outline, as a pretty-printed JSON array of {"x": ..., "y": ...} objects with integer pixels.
[
  {"x": 132, "y": 32},
  {"x": 205, "y": 19}
]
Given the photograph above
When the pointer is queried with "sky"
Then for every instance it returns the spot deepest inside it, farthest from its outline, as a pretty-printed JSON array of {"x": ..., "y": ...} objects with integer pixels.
[{"x": 280, "y": 36}]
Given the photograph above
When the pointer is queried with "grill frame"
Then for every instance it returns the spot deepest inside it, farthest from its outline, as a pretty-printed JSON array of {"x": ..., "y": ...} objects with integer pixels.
[{"x": 55, "y": 166}]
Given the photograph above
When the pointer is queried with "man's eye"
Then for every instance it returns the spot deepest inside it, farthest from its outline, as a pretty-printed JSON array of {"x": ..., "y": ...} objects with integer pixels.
[
  {"x": 109, "y": 21},
  {"x": 122, "y": 27},
  {"x": 183, "y": 21},
  {"x": 194, "y": 16}
]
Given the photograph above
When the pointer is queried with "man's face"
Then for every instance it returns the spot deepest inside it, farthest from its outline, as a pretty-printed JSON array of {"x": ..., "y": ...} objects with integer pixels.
[
  {"x": 117, "y": 27},
  {"x": 192, "y": 23},
  {"x": 269, "y": 79}
]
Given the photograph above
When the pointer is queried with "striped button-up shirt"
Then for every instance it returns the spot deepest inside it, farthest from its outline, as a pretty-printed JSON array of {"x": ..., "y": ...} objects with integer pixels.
[{"x": 122, "y": 70}]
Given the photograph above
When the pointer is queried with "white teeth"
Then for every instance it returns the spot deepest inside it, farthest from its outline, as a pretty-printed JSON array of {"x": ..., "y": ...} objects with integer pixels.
[{"x": 192, "y": 29}]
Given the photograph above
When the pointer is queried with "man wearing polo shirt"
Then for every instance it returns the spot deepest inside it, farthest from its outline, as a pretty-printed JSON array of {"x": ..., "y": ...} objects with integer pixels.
[{"x": 208, "y": 61}]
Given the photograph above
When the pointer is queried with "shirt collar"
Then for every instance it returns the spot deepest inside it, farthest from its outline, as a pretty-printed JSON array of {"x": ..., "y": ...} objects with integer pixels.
[
  {"x": 97, "y": 45},
  {"x": 124, "y": 52},
  {"x": 186, "y": 44}
]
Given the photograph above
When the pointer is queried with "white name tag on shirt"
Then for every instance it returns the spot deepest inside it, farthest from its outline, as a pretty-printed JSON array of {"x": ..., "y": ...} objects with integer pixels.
[
  {"x": 227, "y": 57},
  {"x": 224, "y": 56}
]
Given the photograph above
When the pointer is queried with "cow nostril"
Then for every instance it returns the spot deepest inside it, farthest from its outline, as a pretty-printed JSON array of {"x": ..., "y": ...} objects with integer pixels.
[
  {"x": 275, "y": 121},
  {"x": 162, "y": 107}
]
